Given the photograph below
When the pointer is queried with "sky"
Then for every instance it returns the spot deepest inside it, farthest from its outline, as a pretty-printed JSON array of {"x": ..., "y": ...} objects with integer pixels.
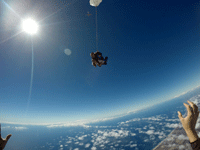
[{"x": 152, "y": 49}]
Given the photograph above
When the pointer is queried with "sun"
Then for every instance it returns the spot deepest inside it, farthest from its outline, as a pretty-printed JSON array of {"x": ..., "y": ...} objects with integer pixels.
[{"x": 30, "y": 26}]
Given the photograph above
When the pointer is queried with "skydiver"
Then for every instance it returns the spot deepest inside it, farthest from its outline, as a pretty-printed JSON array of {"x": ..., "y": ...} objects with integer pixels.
[
  {"x": 89, "y": 14},
  {"x": 97, "y": 59}
]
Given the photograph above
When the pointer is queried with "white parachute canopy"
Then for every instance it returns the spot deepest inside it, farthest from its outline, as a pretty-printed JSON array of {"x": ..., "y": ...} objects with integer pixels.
[{"x": 95, "y": 2}]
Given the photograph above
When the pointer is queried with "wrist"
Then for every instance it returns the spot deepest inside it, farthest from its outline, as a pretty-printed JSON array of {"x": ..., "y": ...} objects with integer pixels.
[{"x": 192, "y": 135}]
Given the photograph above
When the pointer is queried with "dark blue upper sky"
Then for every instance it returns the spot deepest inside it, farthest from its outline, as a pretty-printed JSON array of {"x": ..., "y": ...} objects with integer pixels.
[{"x": 152, "y": 48}]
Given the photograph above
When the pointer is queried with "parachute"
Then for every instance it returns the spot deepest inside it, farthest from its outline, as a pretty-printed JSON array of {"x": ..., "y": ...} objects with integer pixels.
[{"x": 95, "y": 2}]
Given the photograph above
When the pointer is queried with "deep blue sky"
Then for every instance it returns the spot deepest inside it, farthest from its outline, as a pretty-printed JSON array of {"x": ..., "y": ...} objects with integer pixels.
[{"x": 152, "y": 47}]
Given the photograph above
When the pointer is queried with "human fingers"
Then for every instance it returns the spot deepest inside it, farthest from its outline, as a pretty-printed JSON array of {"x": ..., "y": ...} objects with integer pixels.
[
  {"x": 8, "y": 136},
  {"x": 195, "y": 108},
  {"x": 180, "y": 115},
  {"x": 188, "y": 109}
]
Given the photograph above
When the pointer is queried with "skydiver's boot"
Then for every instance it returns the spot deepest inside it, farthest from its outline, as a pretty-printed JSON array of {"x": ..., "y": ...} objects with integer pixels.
[
  {"x": 99, "y": 64},
  {"x": 106, "y": 58}
]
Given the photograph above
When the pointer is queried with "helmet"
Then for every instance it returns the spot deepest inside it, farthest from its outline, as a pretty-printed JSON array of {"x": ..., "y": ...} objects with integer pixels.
[{"x": 91, "y": 54}]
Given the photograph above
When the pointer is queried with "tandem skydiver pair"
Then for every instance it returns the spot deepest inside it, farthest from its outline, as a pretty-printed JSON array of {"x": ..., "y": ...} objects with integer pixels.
[{"x": 97, "y": 59}]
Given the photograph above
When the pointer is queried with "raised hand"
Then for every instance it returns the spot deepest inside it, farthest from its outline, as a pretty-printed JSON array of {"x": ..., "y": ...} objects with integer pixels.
[
  {"x": 4, "y": 141},
  {"x": 189, "y": 122}
]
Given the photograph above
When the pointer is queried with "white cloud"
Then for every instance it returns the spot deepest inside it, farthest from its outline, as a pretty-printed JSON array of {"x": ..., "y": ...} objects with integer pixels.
[
  {"x": 152, "y": 118},
  {"x": 152, "y": 137},
  {"x": 150, "y": 132},
  {"x": 87, "y": 145},
  {"x": 82, "y": 137},
  {"x": 182, "y": 137},
  {"x": 173, "y": 125},
  {"x": 182, "y": 147},
  {"x": 197, "y": 126},
  {"x": 101, "y": 145},
  {"x": 76, "y": 149},
  {"x": 133, "y": 134},
  {"x": 69, "y": 142},
  {"x": 172, "y": 119},
  {"x": 160, "y": 137},
  {"x": 116, "y": 145},
  {"x": 133, "y": 145},
  {"x": 116, "y": 133},
  {"x": 151, "y": 128},
  {"x": 7, "y": 127},
  {"x": 93, "y": 148},
  {"x": 20, "y": 128}
]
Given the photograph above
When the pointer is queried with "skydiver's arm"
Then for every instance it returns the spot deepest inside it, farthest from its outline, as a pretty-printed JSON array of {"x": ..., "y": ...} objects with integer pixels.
[{"x": 98, "y": 53}]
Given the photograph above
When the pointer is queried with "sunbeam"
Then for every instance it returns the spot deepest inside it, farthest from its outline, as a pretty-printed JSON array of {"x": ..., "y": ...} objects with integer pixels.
[
  {"x": 50, "y": 15},
  {"x": 11, "y": 37},
  {"x": 63, "y": 22},
  {"x": 10, "y": 8}
]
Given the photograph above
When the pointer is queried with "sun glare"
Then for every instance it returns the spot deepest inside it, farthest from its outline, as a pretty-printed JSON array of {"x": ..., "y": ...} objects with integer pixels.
[{"x": 30, "y": 26}]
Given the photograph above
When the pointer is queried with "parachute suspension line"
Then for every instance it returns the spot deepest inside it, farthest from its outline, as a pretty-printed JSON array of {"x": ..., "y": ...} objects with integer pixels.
[{"x": 96, "y": 31}]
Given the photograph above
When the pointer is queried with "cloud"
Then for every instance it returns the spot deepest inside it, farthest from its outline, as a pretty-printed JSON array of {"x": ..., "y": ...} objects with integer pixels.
[
  {"x": 20, "y": 128},
  {"x": 93, "y": 148},
  {"x": 173, "y": 125},
  {"x": 116, "y": 145},
  {"x": 152, "y": 118},
  {"x": 7, "y": 127},
  {"x": 116, "y": 133},
  {"x": 69, "y": 142},
  {"x": 182, "y": 137},
  {"x": 101, "y": 145},
  {"x": 82, "y": 137},
  {"x": 134, "y": 145},
  {"x": 172, "y": 119},
  {"x": 150, "y": 132},
  {"x": 133, "y": 134},
  {"x": 182, "y": 147},
  {"x": 87, "y": 145},
  {"x": 151, "y": 128},
  {"x": 197, "y": 126}
]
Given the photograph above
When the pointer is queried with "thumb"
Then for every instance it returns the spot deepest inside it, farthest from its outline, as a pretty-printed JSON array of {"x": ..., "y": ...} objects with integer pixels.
[
  {"x": 8, "y": 136},
  {"x": 180, "y": 115}
]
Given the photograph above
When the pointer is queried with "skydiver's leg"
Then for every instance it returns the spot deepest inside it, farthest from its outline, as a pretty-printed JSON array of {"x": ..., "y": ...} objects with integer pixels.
[
  {"x": 96, "y": 62},
  {"x": 99, "y": 64},
  {"x": 93, "y": 64}
]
